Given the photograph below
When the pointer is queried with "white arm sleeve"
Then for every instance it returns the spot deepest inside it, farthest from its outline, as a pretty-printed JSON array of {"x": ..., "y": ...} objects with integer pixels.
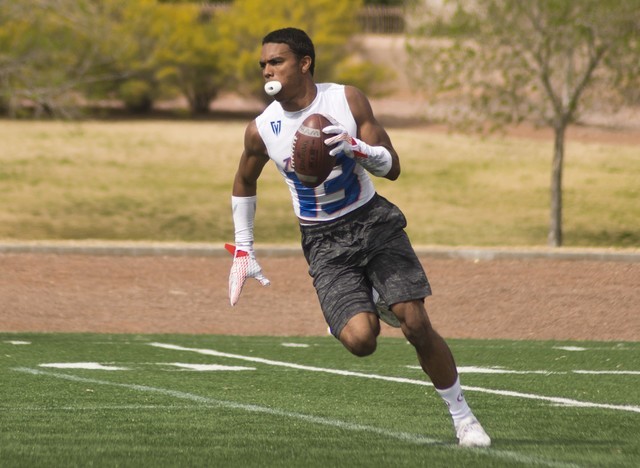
[
  {"x": 244, "y": 214},
  {"x": 378, "y": 159}
]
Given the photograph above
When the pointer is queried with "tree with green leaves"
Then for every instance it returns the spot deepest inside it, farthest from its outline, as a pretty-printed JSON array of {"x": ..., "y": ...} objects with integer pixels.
[
  {"x": 500, "y": 62},
  {"x": 54, "y": 51},
  {"x": 49, "y": 50},
  {"x": 190, "y": 55}
]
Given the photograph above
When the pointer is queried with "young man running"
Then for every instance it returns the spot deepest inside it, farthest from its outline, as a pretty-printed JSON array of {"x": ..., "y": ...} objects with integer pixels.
[{"x": 363, "y": 266}]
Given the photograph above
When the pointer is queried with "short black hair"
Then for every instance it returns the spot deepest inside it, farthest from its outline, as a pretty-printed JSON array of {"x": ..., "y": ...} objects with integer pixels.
[{"x": 297, "y": 40}]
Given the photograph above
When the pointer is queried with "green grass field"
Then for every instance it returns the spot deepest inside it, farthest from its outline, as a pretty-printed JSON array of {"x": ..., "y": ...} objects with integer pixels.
[
  {"x": 171, "y": 181},
  {"x": 188, "y": 400}
]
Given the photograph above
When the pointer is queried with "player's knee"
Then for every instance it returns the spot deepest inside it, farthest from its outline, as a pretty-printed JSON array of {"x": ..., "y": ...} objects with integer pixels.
[
  {"x": 360, "y": 334},
  {"x": 360, "y": 346}
]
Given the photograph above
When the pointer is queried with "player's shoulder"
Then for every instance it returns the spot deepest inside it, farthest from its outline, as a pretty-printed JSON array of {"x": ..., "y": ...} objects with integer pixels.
[
  {"x": 272, "y": 110},
  {"x": 355, "y": 94},
  {"x": 358, "y": 103},
  {"x": 253, "y": 142},
  {"x": 331, "y": 88},
  {"x": 339, "y": 88}
]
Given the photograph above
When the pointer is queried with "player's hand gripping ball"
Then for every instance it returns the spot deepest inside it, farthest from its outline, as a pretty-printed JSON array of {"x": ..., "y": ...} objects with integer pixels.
[{"x": 311, "y": 158}]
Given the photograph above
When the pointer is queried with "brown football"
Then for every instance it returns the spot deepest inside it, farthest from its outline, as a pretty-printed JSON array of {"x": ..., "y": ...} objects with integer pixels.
[{"x": 311, "y": 160}]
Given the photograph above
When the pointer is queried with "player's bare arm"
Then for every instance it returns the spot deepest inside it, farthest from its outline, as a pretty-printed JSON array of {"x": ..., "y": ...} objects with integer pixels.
[
  {"x": 369, "y": 129},
  {"x": 243, "y": 203},
  {"x": 253, "y": 159}
]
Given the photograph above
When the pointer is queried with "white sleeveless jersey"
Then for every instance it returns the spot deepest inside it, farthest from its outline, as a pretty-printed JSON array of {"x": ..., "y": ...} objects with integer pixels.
[{"x": 347, "y": 187}]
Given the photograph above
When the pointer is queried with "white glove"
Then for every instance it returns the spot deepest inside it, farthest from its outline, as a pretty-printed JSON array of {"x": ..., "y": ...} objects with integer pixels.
[
  {"x": 244, "y": 266},
  {"x": 375, "y": 159}
]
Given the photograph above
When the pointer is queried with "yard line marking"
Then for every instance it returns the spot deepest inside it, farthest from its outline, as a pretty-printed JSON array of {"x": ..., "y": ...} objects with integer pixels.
[
  {"x": 208, "y": 367},
  {"x": 494, "y": 370},
  {"x": 502, "y": 370},
  {"x": 82, "y": 365},
  {"x": 530, "y": 396},
  {"x": 606, "y": 372},
  {"x": 555, "y": 400},
  {"x": 403, "y": 436},
  {"x": 17, "y": 409}
]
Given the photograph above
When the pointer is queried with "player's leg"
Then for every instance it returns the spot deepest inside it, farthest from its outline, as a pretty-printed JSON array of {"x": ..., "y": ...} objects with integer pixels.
[
  {"x": 438, "y": 363},
  {"x": 360, "y": 334},
  {"x": 397, "y": 274},
  {"x": 433, "y": 352},
  {"x": 336, "y": 255}
]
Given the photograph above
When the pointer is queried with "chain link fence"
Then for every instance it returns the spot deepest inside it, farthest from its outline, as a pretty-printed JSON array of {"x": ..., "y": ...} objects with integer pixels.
[
  {"x": 372, "y": 19},
  {"x": 377, "y": 19}
]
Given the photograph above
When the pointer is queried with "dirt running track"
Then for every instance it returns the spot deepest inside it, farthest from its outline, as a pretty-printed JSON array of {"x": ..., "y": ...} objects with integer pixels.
[{"x": 515, "y": 299}]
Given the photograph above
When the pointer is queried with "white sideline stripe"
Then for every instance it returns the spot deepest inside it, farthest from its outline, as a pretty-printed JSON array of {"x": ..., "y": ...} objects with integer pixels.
[
  {"x": 530, "y": 396},
  {"x": 403, "y": 436}
]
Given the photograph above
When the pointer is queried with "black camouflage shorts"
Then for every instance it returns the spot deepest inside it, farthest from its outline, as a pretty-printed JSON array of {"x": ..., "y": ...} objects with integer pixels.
[{"x": 364, "y": 249}]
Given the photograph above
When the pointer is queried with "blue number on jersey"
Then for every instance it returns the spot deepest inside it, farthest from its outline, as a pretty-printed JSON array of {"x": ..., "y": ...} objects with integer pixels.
[{"x": 347, "y": 183}]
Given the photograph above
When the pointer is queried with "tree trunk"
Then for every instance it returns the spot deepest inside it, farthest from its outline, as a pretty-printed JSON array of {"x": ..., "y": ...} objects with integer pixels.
[
  {"x": 555, "y": 226},
  {"x": 200, "y": 102}
]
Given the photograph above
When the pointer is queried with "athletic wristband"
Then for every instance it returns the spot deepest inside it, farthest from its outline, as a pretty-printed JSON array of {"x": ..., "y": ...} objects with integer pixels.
[
  {"x": 244, "y": 214},
  {"x": 375, "y": 159}
]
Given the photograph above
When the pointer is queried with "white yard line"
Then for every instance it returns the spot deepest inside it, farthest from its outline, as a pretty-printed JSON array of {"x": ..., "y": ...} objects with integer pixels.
[
  {"x": 502, "y": 370},
  {"x": 82, "y": 365},
  {"x": 209, "y": 367},
  {"x": 345, "y": 425},
  {"x": 85, "y": 408},
  {"x": 530, "y": 396}
]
